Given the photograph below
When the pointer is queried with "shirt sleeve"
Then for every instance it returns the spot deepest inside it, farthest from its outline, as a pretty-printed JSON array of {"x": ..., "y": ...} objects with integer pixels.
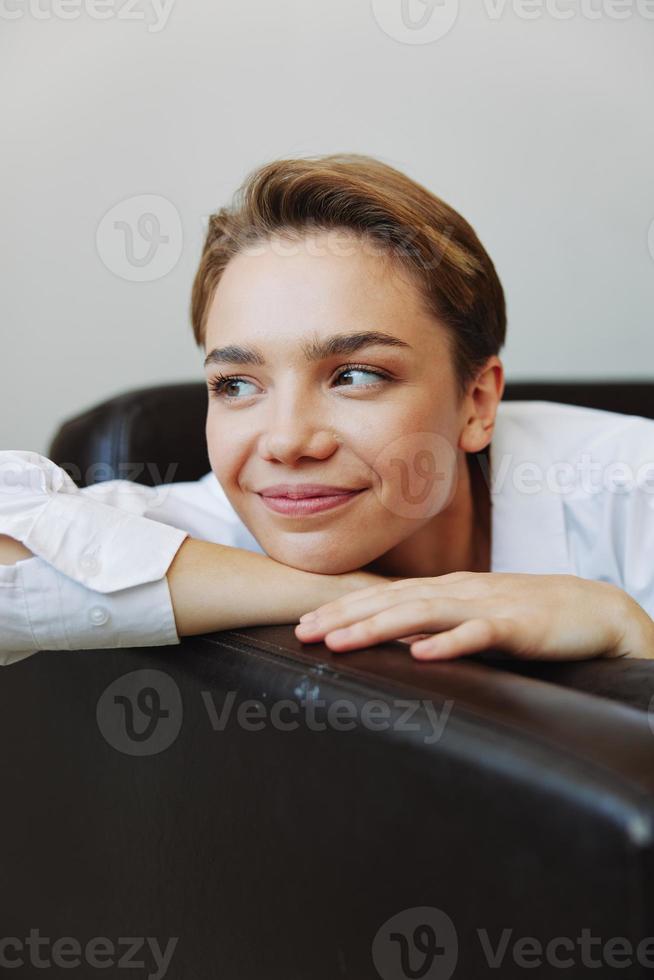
[
  {"x": 98, "y": 575},
  {"x": 637, "y": 542},
  {"x": 629, "y": 483}
]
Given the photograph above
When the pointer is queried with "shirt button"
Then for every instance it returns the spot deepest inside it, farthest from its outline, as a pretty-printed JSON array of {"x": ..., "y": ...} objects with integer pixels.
[
  {"x": 98, "y": 615},
  {"x": 90, "y": 564}
]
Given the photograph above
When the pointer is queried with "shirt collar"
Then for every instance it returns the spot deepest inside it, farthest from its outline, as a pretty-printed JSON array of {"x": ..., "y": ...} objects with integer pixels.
[{"x": 528, "y": 528}]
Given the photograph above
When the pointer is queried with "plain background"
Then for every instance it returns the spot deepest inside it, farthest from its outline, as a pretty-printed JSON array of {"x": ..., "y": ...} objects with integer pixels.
[{"x": 538, "y": 129}]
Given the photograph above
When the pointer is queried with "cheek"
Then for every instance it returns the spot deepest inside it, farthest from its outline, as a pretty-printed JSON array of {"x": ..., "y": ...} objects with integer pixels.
[
  {"x": 213, "y": 442},
  {"x": 417, "y": 473},
  {"x": 223, "y": 451}
]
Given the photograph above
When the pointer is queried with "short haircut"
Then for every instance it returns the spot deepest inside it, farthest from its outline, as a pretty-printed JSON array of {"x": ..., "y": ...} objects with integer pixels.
[{"x": 380, "y": 205}]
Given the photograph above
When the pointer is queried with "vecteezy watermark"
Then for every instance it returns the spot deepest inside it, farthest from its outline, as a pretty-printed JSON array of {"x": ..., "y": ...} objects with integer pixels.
[
  {"x": 565, "y": 952},
  {"x": 416, "y": 21},
  {"x": 140, "y": 713},
  {"x": 25, "y": 472},
  {"x": 130, "y": 470},
  {"x": 118, "y": 484},
  {"x": 419, "y": 942},
  {"x": 341, "y": 715},
  {"x": 34, "y": 473},
  {"x": 154, "y": 13},
  {"x": 585, "y": 475},
  {"x": 423, "y": 942},
  {"x": 98, "y": 953},
  {"x": 570, "y": 9},
  {"x": 418, "y": 475},
  {"x": 424, "y": 21},
  {"x": 422, "y": 246},
  {"x": 140, "y": 239}
]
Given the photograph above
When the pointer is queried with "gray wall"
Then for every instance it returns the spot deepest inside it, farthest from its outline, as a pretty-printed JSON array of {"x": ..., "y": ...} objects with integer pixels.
[{"x": 533, "y": 119}]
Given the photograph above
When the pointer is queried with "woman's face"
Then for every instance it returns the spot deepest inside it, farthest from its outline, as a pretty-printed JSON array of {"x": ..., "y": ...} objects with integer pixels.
[{"x": 388, "y": 428}]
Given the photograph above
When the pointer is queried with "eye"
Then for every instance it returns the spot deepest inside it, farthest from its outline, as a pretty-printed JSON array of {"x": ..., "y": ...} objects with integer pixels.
[
  {"x": 361, "y": 369},
  {"x": 218, "y": 386}
]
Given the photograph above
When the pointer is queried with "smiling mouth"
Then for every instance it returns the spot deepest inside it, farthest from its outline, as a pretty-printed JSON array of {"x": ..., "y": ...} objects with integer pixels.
[{"x": 301, "y": 506}]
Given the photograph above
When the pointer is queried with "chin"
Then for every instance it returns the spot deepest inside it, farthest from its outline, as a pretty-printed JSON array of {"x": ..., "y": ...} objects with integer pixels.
[{"x": 308, "y": 561}]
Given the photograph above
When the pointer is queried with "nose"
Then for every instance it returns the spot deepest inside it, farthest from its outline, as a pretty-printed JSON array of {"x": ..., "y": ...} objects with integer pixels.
[{"x": 295, "y": 431}]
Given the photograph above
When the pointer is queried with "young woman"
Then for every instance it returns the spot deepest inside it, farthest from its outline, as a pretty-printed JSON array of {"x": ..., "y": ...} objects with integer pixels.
[{"x": 363, "y": 465}]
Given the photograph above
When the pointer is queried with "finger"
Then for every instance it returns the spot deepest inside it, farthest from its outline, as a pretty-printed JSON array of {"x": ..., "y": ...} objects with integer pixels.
[
  {"x": 384, "y": 588},
  {"x": 472, "y": 636},
  {"x": 364, "y": 608},
  {"x": 358, "y": 595},
  {"x": 423, "y": 615}
]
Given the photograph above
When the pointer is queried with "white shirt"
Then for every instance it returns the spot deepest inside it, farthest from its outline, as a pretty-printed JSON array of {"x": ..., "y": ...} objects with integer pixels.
[{"x": 572, "y": 491}]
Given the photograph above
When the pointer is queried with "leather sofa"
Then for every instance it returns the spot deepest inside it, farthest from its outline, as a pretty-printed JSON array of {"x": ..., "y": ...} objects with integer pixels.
[{"x": 262, "y": 809}]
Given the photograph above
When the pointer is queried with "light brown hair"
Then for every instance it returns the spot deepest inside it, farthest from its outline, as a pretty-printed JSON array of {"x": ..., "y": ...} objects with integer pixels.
[{"x": 451, "y": 269}]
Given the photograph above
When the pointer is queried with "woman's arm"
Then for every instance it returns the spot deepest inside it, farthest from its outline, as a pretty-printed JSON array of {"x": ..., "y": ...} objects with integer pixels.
[
  {"x": 218, "y": 587},
  {"x": 88, "y": 569},
  {"x": 12, "y": 551}
]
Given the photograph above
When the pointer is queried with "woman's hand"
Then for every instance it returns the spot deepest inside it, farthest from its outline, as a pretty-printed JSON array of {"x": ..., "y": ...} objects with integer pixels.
[{"x": 555, "y": 617}]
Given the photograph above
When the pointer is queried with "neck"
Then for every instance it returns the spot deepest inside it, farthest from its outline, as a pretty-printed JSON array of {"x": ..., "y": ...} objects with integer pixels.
[
  {"x": 479, "y": 469},
  {"x": 457, "y": 539}
]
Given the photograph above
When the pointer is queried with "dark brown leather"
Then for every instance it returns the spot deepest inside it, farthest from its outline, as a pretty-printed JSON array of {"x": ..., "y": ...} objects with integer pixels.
[
  {"x": 629, "y": 397},
  {"x": 630, "y": 681},
  {"x": 602, "y": 734},
  {"x": 149, "y": 435},
  {"x": 282, "y": 853}
]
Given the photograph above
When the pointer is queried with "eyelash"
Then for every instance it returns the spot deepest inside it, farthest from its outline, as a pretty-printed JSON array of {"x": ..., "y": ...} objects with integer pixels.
[{"x": 217, "y": 385}]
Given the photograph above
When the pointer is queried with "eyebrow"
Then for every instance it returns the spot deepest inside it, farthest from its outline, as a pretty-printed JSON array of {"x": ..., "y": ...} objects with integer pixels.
[{"x": 315, "y": 350}]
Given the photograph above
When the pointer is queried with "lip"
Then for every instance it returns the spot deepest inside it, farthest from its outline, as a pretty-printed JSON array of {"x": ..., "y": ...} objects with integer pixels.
[
  {"x": 297, "y": 490},
  {"x": 303, "y": 506}
]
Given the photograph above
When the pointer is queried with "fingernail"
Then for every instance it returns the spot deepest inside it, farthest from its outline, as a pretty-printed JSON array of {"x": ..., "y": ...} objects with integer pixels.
[
  {"x": 341, "y": 634},
  {"x": 420, "y": 645}
]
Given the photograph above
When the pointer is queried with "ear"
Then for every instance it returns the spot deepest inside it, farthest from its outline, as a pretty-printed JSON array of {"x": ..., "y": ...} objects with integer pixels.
[{"x": 480, "y": 406}]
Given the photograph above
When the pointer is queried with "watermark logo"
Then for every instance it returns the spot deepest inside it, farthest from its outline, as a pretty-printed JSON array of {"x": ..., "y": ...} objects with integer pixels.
[
  {"x": 418, "y": 475},
  {"x": 140, "y": 239},
  {"x": 140, "y": 713},
  {"x": 422, "y": 246},
  {"x": 561, "y": 10},
  {"x": 416, "y": 944},
  {"x": 130, "y": 470},
  {"x": 416, "y": 21},
  {"x": 424, "y": 21},
  {"x": 423, "y": 942},
  {"x": 341, "y": 715},
  {"x": 143, "y": 953},
  {"x": 154, "y": 13}
]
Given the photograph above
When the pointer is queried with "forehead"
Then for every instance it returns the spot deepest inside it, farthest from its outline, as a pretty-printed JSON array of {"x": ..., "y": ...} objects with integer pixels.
[{"x": 313, "y": 285}]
